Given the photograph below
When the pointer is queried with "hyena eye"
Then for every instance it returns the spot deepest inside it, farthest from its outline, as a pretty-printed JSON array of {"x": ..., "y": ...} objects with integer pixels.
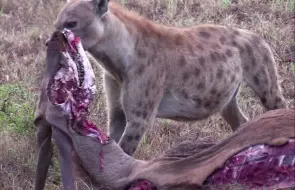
[{"x": 71, "y": 24}]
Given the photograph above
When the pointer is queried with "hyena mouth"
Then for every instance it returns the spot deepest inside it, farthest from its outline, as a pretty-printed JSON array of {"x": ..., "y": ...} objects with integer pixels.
[{"x": 73, "y": 86}]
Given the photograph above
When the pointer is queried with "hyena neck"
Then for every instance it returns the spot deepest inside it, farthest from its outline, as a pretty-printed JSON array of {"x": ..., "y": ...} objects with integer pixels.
[
  {"x": 125, "y": 31},
  {"x": 115, "y": 51}
]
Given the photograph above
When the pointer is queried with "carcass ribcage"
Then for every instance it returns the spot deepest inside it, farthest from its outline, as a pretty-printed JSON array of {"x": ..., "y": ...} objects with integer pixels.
[{"x": 259, "y": 167}]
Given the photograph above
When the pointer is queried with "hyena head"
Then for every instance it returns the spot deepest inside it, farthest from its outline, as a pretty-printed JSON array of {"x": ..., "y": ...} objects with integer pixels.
[{"x": 85, "y": 18}]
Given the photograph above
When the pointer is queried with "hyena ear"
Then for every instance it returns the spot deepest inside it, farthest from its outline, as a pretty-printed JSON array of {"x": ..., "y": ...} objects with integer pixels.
[{"x": 101, "y": 6}]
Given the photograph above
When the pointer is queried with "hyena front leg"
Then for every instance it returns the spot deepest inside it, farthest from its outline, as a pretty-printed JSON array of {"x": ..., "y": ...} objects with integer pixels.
[
  {"x": 232, "y": 113},
  {"x": 140, "y": 100},
  {"x": 116, "y": 115}
]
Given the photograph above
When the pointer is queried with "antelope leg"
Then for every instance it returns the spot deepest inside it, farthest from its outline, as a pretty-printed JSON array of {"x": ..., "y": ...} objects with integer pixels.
[
  {"x": 44, "y": 151},
  {"x": 59, "y": 121},
  {"x": 65, "y": 148}
]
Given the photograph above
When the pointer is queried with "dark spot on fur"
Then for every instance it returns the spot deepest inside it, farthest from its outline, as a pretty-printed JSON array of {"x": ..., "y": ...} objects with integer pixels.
[
  {"x": 151, "y": 105},
  {"x": 219, "y": 73},
  {"x": 234, "y": 43},
  {"x": 191, "y": 49},
  {"x": 214, "y": 56},
  {"x": 201, "y": 85},
  {"x": 185, "y": 76},
  {"x": 202, "y": 61},
  {"x": 146, "y": 92},
  {"x": 278, "y": 100},
  {"x": 253, "y": 61},
  {"x": 216, "y": 102},
  {"x": 222, "y": 40},
  {"x": 140, "y": 69},
  {"x": 185, "y": 95},
  {"x": 223, "y": 58},
  {"x": 144, "y": 114},
  {"x": 139, "y": 104},
  {"x": 197, "y": 72},
  {"x": 263, "y": 100},
  {"x": 151, "y": 60},
  {"x": 123, "y": 146},
  {"x": 199, "y": 47},
  {"x": 225, "y": 80},
  {"x": 136, "y": 124},
  {"x": 137, "y": 137},
  {"x": 266, "y": 59},
  {"x": 233, "y": 78},
  {"x": 179, "y": 40},
  {"x": 236, "y": 33},
  {"x": 182, "y": 61},
  {"x": 213, "y": 91},
  {"x": 153, "y": 84},
  {"x": 129, "y": 138},
  {"x": 249, "y": 50},
  {"x": 250, "y": 54},
  {"x": 229, "y": 53},
  {"x": 138, "y": 113},
  {"x": 256, "y": 39},
  {"x": 263, "y": 72},
  {"x": 145, "y": 106},
  {"x": 141, "y": 52},
  {"x": 211, "y": 76},
  {"x": 256, "y": 80},
  {"x": 204, "y": 34},
  {"x": 197, "y": 100},
  {"x": 240, "y": 48},
  {"x": 207, "y": 104},
  {"x": 218, "y": 95},
  {"x": 237, "y": 68},
  {"x": 246, "y": 67},
  {"x": 216, "y": 46}
]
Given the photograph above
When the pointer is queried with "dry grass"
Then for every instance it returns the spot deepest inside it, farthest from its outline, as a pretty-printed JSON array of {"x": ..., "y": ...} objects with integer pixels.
[{"x": 25, "y": 25}]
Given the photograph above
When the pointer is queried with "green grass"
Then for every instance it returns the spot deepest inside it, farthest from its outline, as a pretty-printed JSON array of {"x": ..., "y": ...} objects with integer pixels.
[
  {"x": 16, "y": 110},
  {"x": 290, "y": 5},
  {"x": 225, "y": 3}
]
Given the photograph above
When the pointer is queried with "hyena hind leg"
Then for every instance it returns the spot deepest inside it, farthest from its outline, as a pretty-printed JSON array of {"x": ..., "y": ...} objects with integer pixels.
[
  {"x": 265, "y": 85},
  {"x": 232, "y": 113}
]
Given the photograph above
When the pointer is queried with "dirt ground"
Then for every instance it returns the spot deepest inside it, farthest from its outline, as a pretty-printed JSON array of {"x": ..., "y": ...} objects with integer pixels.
[{"x": 25, "y": 25}]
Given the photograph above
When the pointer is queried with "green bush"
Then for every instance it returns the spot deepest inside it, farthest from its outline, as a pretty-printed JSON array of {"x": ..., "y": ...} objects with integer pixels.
[{"x": 16, "y": 110}]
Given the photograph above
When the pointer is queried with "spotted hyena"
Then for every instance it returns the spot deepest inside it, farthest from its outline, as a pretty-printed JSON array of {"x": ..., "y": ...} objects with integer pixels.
[{"x": 184, "y": 74}]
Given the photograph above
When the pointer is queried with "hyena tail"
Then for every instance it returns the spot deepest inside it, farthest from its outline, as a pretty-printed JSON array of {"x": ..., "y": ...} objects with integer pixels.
[{"x": 263, "y": 78}]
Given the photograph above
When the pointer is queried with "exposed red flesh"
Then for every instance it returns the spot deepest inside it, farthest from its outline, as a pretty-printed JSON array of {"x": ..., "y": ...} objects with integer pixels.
[
  {"x": 142, "y": 185},
  {"x": 72, "y": 96},
  {"x": 258, "y": 167}
]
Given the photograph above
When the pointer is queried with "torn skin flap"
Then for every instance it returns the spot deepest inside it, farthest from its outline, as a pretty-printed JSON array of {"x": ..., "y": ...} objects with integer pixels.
[{"x": 72, "y": 87}]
